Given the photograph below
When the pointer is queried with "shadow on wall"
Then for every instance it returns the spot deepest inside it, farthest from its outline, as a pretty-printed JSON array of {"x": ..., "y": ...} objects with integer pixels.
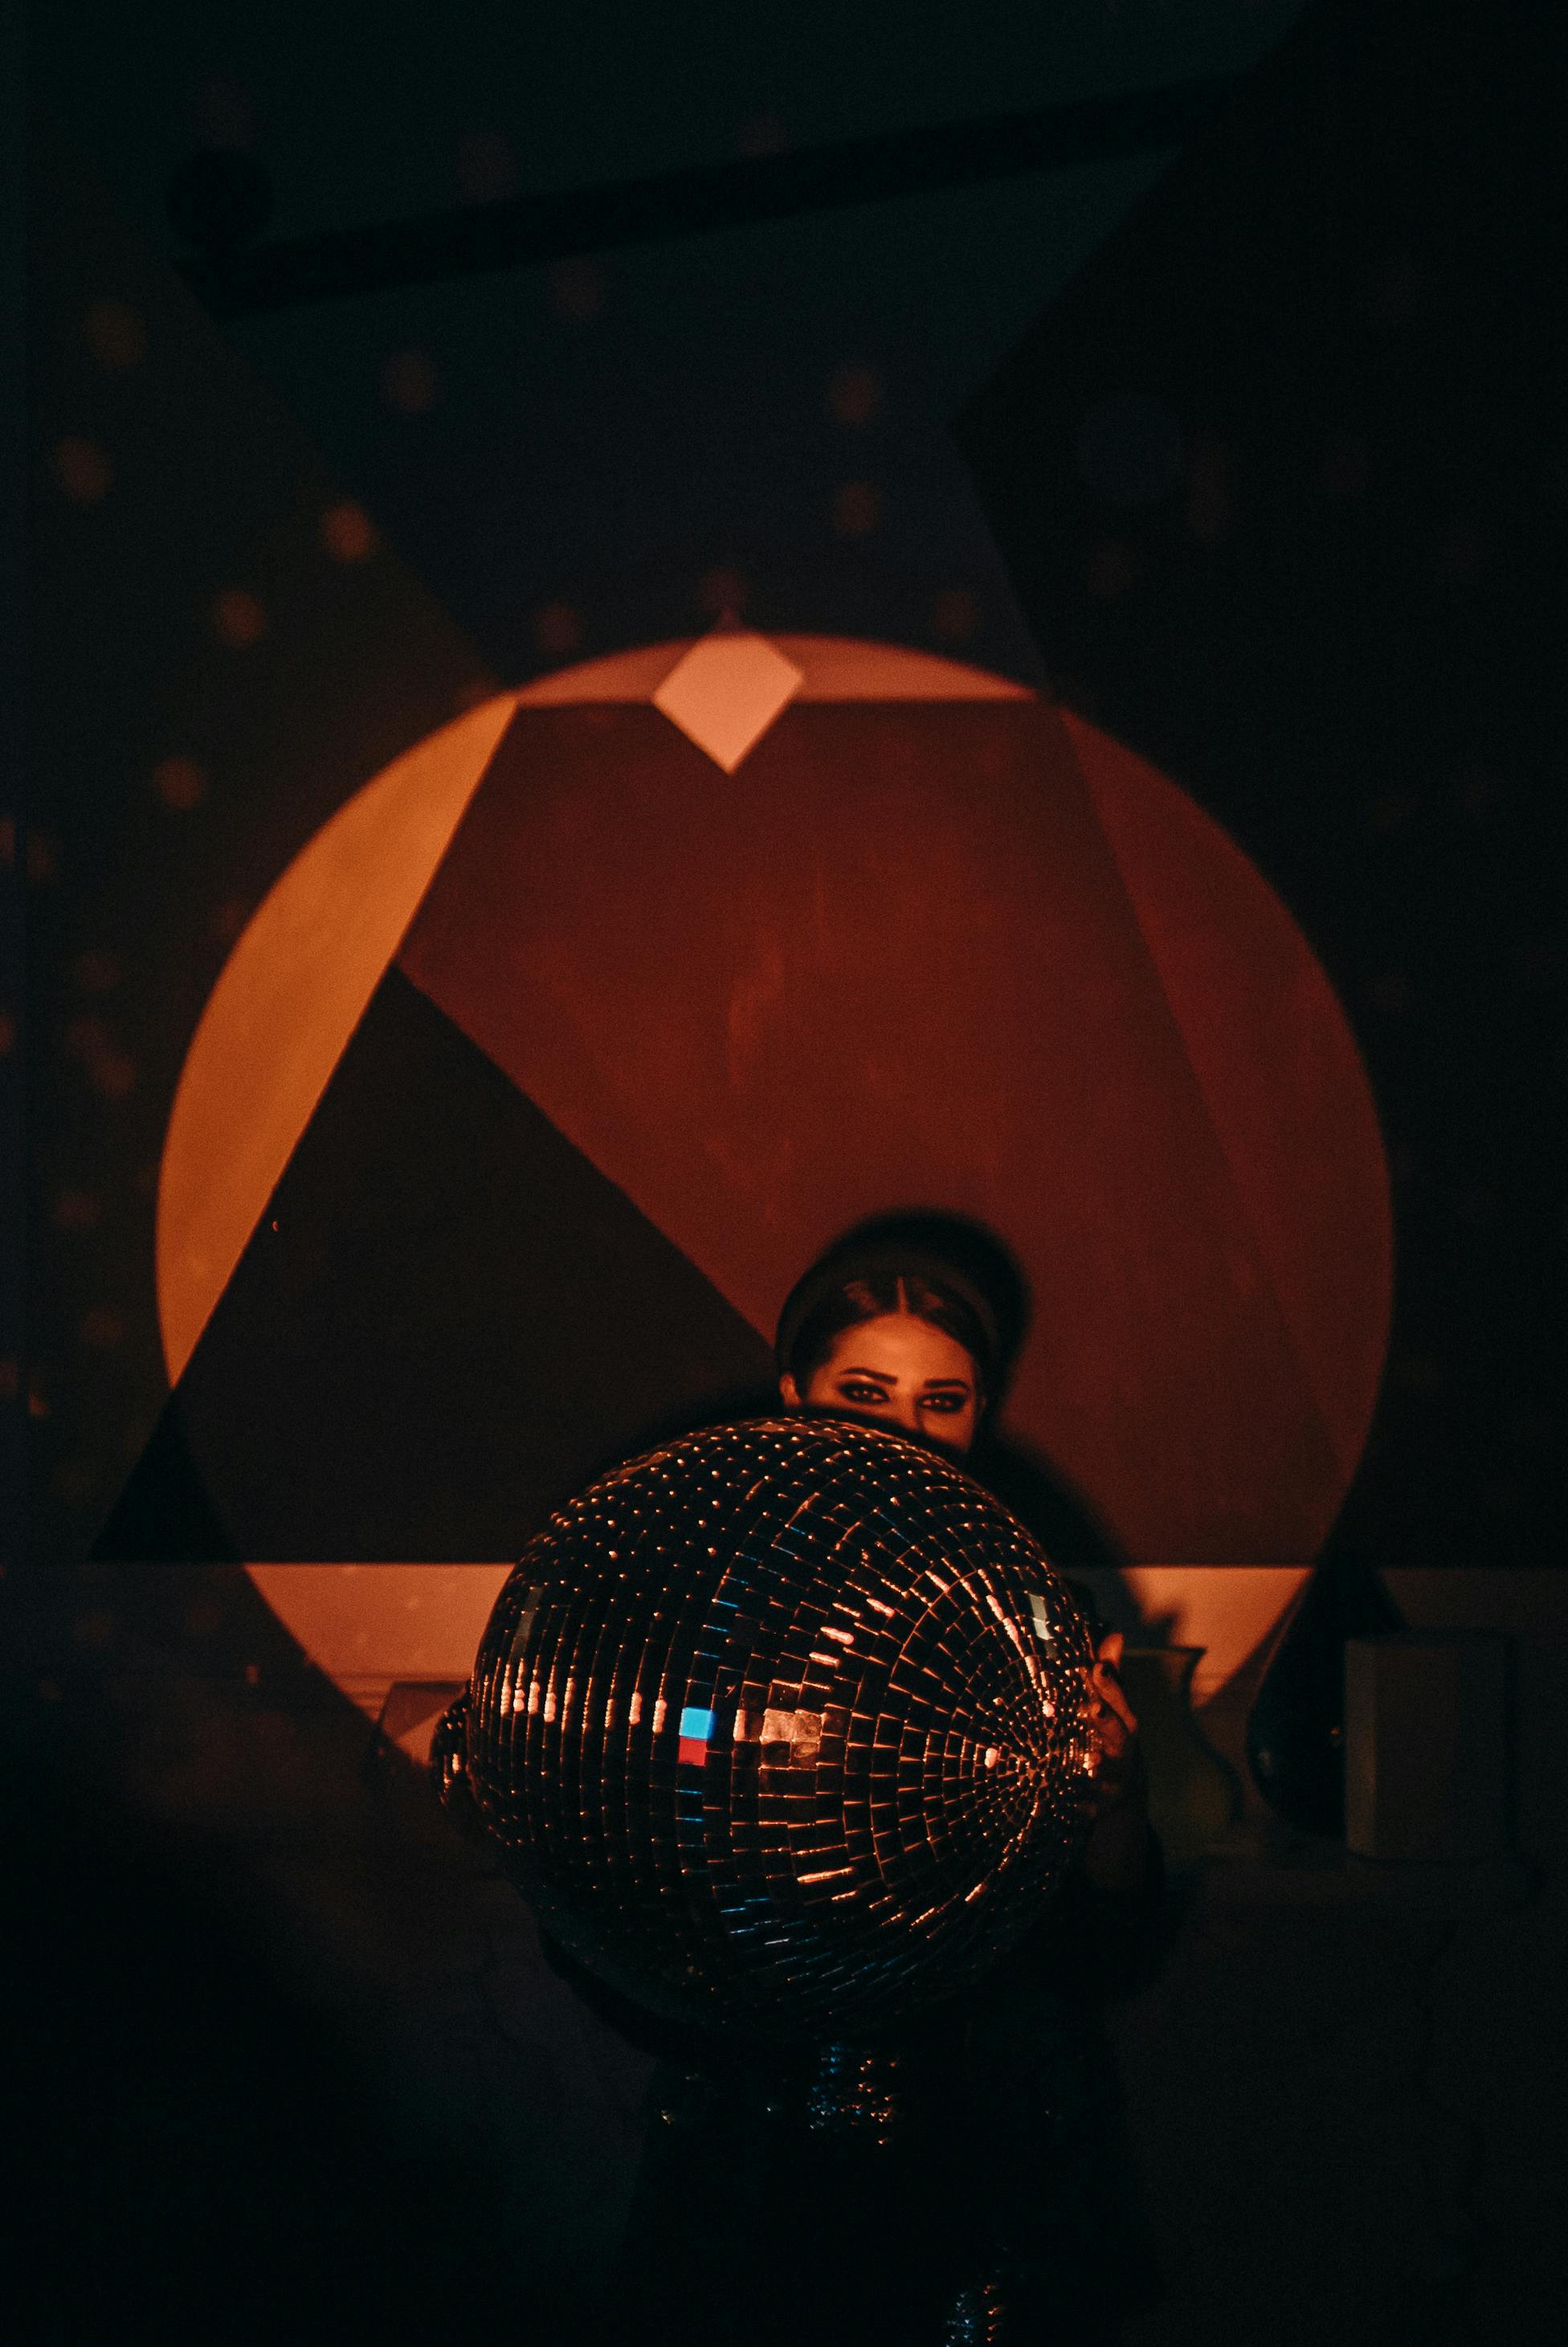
[{"x": 293, "y": 2062}]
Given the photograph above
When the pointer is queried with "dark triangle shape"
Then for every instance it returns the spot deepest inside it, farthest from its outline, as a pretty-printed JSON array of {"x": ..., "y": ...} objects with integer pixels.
[
  {"x": 445, "y": 1322},
  {"x": 1309, "y": 570},
  {"x": 165, "y": 1514}
]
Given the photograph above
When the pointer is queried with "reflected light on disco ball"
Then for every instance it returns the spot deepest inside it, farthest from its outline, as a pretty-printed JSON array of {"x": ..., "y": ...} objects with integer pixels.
[{"x": 782, "y": 1728}]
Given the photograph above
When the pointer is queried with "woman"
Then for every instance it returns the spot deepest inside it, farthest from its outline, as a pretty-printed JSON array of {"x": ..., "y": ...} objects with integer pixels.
[
  {"x": 887, "y": 1331},
  {"x": 1005, "y": 2210}
]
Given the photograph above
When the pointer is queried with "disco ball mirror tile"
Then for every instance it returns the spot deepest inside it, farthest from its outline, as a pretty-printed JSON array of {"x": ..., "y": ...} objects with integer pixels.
[{"x": 782, "y": 1728}]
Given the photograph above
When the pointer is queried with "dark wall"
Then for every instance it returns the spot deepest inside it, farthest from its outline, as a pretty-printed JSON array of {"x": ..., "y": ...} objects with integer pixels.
[{"x": 1282, "y": 482}]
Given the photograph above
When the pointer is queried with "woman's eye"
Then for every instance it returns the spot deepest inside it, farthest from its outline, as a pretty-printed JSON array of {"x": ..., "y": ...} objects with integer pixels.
[
  {"x": 944, "y": 1402},
  {"x": 862, "y": 1393}
]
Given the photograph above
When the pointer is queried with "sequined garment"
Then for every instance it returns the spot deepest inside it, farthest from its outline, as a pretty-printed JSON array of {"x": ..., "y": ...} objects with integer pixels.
[{"x": 781, "y": 1730}]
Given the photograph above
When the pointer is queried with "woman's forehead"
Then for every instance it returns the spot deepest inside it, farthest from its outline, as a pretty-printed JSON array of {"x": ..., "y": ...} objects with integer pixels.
[{"x": 901, "y": 1344}]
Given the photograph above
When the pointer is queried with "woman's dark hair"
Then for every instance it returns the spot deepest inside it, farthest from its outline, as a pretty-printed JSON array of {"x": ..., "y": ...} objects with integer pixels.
[{"x": 853, "y": 1283}]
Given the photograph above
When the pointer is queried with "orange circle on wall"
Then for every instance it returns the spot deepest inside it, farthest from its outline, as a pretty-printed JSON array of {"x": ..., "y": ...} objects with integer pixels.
[{"x": 938, "y": 944}]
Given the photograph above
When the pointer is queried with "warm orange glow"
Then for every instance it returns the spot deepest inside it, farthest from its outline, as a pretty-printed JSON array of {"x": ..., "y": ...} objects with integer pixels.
[
  {"x": 116, "y": 335},
  {"x": 348, "y": 533},
  {"x": 309, "y": 960},
  {"x": 725, "y": 692},
  {"x": 286, "y": 1004},
  {"x": 1302, "y": 1149},
  {"x": 1147, "y": 1081},
  {"x": 179, "y": 784},
  {"x": 832, "y": 668},
  {"x": 370, "y": 1625},
  {"x": 84, "y": 471},
  {"x": 1228, "y": 1610},
  {"x": 239, "y": 619},
  {"x": 1232, "y": 975}
]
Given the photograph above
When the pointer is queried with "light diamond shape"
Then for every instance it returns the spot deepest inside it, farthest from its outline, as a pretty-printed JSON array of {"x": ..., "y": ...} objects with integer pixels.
[{"x": 726, "y": 692}]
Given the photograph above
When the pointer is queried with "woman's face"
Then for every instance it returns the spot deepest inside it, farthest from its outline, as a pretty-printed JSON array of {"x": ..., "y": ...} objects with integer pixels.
[{"x": 899, "y": 1370}]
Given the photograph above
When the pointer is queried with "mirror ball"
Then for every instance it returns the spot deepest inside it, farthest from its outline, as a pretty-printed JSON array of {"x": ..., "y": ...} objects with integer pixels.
[{"x": 782, "y": 1728}]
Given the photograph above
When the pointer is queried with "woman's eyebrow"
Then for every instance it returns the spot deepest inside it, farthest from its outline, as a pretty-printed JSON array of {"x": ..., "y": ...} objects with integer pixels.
[{"x": 887, "y": 1378}]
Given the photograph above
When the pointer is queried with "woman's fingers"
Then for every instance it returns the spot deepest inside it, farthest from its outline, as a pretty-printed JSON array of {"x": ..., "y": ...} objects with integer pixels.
[
  {"x": 1114, "y": 1697},
  {"x": 1104, "y": 1677}
]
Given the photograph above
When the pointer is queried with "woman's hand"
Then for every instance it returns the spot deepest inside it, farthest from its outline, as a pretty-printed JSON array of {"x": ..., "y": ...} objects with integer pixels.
[
  {"x": 1119, "y": 1766},
  {"x": 1117, "y": 1855}
]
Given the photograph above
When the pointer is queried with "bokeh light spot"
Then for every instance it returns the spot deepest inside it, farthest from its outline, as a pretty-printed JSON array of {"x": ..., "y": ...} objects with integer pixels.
[
  {"x": 856, "y": 509},
  {"x": 409, "y": 383},
  {"x": 558, "y": 628},
  {"x": 179, "y": 784},
  {"x": 97, "y": 972},
  {"x": 86, "y": 1039},
  {"x": 7, "y": 843},
  {"x": 76, "y": 1480},
  {"x": 116, "y": 337},
  {"x": 229, "y": 918},
  {"x": 42, "y": 857},
  {"x": 7, "y": 1034},
  {"x": 854, "y": 394},
  {"x": 723, "y": 592},
  {"x": 83, "y": 470},
  {"x": 348, "y": 533},
  {"x": 113, "y": 1075},
  {"x": 76, "y": 1210},
  {"x": 238, "y": 618},
  {"x": 955, "y": 615}
]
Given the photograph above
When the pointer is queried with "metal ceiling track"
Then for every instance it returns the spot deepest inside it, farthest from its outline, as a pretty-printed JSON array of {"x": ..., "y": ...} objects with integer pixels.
[{"x": 526, "y": 230}]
